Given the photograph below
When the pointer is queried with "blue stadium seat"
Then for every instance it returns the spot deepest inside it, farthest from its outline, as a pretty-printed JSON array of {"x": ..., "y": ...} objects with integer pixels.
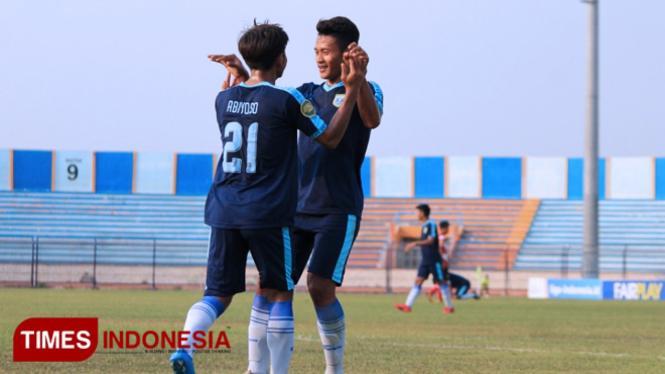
[{"x": 630, "y": 230}]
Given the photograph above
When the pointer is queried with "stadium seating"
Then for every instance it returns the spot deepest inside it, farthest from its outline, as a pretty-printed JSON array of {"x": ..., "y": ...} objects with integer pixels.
[
  {"x": 129, "y": 226},
  {"x": 634, "y": 226},
  {"x": 488, "y": 226}
]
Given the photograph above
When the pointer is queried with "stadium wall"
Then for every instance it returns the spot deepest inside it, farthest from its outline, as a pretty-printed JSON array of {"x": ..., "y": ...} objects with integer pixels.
[{"x": 418, "y": 177}]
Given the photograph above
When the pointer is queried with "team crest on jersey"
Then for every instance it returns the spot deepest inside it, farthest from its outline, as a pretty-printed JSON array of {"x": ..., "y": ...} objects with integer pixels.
[
  {"x": 337, "y": 101},
  {"x": 307, "y": 109}
]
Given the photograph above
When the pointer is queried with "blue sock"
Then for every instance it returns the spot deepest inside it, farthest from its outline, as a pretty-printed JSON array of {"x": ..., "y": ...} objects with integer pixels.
[
  {"x": 468, "y": 295},
  {"x": 332, "y": 330},
  {"x": 200, "y": 317}
]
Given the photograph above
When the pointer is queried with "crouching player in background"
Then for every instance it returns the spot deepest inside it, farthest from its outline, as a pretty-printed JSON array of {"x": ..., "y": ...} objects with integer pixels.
[
  {"x": 462, "y": 287},
  {"x": 253, "y": 199},
  {"x": 431, "y": 262}
]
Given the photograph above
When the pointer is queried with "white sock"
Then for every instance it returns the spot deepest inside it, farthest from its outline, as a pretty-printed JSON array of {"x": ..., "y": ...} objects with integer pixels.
[
  {"x": 468, "y": 295},
  {"x": 258, "y": 352},
  {"x": 280, "y": 336},
  {"x": 445, "y": 292},
  {"x": 200, "y": 317},
  {"x": 332, "y": 330},
  {"x": 415, "y": 291}
]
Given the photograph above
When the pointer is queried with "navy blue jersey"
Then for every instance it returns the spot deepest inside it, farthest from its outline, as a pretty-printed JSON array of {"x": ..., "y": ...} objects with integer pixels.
[
  {"x": 457, "y": 281},
  {"x": 330, "y": 178},
  {"x": 431, "y": 254},
  {"x": 256, "y": 182}
]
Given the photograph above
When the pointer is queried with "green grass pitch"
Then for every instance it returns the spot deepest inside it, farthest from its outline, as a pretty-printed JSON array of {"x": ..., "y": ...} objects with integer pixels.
[{"x": 496, "y": 335}]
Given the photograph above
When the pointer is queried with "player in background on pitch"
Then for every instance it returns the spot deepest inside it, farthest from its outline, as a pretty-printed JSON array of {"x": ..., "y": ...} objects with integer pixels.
[
  {"x": 462, "y": 287},
  {"x": 485, "y": 286},
  {"x": 431, "y": 262},
  {"x": 253, "y": 199},
  {"x": 444, "y": 245},
  {"x": 331, "y": 197}
]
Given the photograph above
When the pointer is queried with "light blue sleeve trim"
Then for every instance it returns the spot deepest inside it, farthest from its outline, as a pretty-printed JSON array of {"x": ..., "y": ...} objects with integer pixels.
[
  {"x": 320, "y": 124},
  {"x": 378, "y": 95}
]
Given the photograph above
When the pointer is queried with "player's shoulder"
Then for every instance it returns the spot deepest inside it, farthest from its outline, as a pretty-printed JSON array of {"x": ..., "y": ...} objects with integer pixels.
[
  {"x": 298, "y": 101},
  {"x": 227, "y": 92},
  {"x": 308, "y": 89},
  {"x": 226, "y": 95},
  {"x": 375, "y": 87},
  {"x": 378, "y": 94},
  {"x": 291, "y": 92}
]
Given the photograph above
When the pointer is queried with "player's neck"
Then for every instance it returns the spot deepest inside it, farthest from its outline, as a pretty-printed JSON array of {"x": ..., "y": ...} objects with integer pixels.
[
  {"x": 332, "y": 82},
  {"x": 259, "y": 76}
]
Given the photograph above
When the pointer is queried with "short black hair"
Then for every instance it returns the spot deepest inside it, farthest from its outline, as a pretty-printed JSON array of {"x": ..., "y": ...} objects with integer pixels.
[
  {"x": 340, "y": 28},
  {"x": 424, "y": 208},
  {"x": 261, "y": 44},
  {"x": 444, "y": 224}
]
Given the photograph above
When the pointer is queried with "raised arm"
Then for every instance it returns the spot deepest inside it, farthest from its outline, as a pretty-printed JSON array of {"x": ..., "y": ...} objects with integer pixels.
[
  {"x": 367, "y": 103},
  {"x": 353, "y": 77}
]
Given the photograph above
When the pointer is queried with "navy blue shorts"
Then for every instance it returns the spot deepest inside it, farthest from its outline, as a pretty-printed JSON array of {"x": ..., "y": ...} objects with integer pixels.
[
  {"x": 439, "y": 273},
  {"x": 227, "y": 259},
  {"x": 328, "y": 240}
]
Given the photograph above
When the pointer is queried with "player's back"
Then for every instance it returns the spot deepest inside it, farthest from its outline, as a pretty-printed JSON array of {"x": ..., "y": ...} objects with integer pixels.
[
  {"x": 457, "y": 281},
  {"x": 255, "y": 185}
]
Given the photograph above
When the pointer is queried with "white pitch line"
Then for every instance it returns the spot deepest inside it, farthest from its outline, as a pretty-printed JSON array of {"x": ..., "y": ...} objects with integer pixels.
[{"x": 493, "y": 348}]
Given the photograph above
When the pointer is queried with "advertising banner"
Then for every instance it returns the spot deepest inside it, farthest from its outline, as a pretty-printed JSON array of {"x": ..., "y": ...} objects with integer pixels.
[
  {"x": 585, "y": 289},
  {"x": 596, "y": 289},
  {"x": 633, "y": 290}
]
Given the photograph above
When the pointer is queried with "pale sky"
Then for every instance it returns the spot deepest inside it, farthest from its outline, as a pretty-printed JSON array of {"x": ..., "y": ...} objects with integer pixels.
[{"x": 460, "y": 77}]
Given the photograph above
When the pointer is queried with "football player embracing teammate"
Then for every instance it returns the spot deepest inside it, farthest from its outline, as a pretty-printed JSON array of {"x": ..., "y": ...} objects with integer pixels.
[
  {"x": 253, "y": 199},
  {"x": 330, "y": 199}
]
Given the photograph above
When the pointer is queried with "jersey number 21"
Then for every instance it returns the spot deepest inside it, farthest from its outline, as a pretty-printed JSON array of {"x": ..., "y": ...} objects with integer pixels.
[{"x": 234, "y": 165}]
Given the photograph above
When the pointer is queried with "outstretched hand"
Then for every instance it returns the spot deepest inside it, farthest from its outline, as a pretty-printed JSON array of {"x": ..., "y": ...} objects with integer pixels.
[{"x": 236, "y": 71}]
